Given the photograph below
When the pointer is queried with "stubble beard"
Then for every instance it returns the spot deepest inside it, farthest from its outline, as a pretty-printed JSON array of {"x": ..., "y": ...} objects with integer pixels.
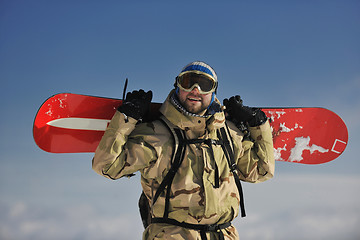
[{"x": 194, "y": 104}]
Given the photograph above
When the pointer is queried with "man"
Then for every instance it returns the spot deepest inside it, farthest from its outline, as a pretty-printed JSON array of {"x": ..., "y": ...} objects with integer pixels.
[{"x": 192, "y": 158}]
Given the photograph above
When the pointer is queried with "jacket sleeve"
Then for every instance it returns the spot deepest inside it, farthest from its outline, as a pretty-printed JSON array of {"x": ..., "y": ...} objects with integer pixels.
[
  {"x": 256, "y": 161},
  {"x": 121, "y": 151}
]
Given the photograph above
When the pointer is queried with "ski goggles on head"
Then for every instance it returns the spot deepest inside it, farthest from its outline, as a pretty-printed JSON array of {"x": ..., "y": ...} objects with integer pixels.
[{"x": 189, "y": 80}]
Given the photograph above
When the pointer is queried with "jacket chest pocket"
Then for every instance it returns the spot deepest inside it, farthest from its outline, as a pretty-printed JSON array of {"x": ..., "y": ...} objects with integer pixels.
[{"x": 213, "y": 164}]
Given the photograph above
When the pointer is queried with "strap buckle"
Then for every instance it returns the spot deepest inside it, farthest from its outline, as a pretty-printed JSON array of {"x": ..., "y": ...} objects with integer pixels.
[
  {"x": 233, "y": 167},
  {"x": 212, "y": 228}
]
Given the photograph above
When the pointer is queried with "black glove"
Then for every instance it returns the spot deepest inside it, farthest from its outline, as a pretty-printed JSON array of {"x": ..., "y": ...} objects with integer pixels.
[
  {"x": 136, "y": 104},
  {"x": 238, "y": 113}
]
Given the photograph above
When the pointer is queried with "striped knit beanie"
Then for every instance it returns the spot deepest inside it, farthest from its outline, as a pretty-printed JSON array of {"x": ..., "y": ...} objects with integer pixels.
[{"x": 200, "y": 67}]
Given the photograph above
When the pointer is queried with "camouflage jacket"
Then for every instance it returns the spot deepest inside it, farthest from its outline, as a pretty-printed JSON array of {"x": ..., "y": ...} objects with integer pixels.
[{"x": 127, "y": 147}]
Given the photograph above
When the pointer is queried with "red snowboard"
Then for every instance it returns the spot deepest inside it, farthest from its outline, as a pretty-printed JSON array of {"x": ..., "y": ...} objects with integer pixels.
[{"x": 72, "y": 123}]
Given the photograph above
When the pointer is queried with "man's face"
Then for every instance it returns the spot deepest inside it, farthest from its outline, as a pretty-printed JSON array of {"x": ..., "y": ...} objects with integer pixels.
[{"x": 194, "y": 101}]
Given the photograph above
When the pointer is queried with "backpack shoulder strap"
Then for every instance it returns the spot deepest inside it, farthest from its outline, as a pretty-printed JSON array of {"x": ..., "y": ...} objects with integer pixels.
[
  {"x": 180, "y": 143},
  {"x": 224, "y": 134},
  {"x": 176, "y": 160}
]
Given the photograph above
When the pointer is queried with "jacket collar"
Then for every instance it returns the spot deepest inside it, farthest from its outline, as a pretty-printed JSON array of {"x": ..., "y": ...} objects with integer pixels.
[{"x": 178, "y": 116}]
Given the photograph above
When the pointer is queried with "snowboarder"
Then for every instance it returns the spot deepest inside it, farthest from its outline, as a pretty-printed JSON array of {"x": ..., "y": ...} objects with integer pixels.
[{"x": 191, "y": 159}]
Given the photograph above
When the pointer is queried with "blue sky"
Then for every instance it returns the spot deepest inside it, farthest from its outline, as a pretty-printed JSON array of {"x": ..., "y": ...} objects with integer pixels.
[{"x": 272, "y": 53}]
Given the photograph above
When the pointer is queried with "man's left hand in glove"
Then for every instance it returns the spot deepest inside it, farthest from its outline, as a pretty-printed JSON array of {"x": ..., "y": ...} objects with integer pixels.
[{"x": 238, "y": 113}]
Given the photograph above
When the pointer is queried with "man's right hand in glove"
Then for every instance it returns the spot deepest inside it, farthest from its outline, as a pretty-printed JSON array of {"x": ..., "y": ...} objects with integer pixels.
[
  {"x": 136, "y": 104},
  {"x": 237, "y": 112}
]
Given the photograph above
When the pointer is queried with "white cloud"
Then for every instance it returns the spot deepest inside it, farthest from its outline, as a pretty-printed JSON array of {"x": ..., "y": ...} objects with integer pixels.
[
  {"x": 70, "y": 222},
  {"x": 303, "y": 207},
  {"x": 291, "y": 206},
  {"x": 302, "y": 223},
  {"x": 17, "y": 210}
]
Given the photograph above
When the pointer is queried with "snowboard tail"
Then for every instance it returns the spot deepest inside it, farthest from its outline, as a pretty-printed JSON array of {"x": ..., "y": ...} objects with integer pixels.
[{"x": 73, "y": 123}]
